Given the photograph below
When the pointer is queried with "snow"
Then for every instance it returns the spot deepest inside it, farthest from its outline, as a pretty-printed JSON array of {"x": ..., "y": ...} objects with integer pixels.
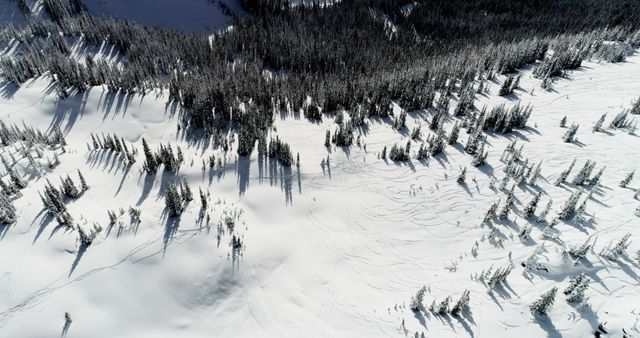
[
  {"x": 333, "y": 252},
  {"x": 192, "y": 15},
  {"x": 10, "y": 14}
]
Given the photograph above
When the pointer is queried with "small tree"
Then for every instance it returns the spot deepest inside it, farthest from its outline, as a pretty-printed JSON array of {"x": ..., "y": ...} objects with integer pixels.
[
  {"x": 577, "y": 286},
  {"x": 563, "y": 121},
  {"x": 627, "y": 179},
  {"x": 541, "y": 306},
  {"x": 83, "y": 183},
  {"x": 416, "y": 301}
]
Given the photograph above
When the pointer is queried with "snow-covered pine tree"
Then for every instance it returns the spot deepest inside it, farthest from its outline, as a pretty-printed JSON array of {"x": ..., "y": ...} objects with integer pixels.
[
  {"x": 499, "y": 276},
  {"x": 507, "y": 86},
  {"x": 598, "y": 126},
  {"x": 563, "y": 121},
  {"x": 416, "y": 301},
  {"x": 463, "y": 175},
  {"x": 569, "y": 209},
  {"x": 613, "y": 251},
  {"x": 327, "y": 139},
  {"x": 584, "y": 173},
  {"x": 415, "y": 133},
  {"x": 383, "y": 154},
  {"x": 577, "y": 286},
  {"x": 541, "y": 306},
  {"x": 635, "y": 109},
  {"x": 443, "y": 307},
  {"x": 535, "y": 174},
  {"x": 69, "y": 188},
  {"x": 564, "y": 174},
  {"x": 83, "y": 183},
  {"x": 455, "y": 131},
  {"x": 569, "y": 136},
  {"x": 627, "y": 180},
  {"x": 173, "y": 201},
  {"x": 187, "y": 195},
  {"x": 17, "y": 181},
  {"x": 530, "y": 209},
  {"x": 203, "y": 198},
  {"x": 545, "y": 212},
  {"x": 508, "y": 203},
  {"x": 596, "y": 179},
  {"x": 150, "y": 164},
  {"x": 581, "y": 250},
  {"x": 491, "y": 212},
  {"x": 461, "y": 305}
]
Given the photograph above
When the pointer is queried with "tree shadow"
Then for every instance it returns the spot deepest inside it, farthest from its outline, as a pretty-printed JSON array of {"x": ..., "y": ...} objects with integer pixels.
[
  {"x": 81, "y": 250},
  {"x": 170, "y": 228},
  {"x": 545, "y": 323},
  {"x": 65, "y": 328},
  {"x": 46, "y": 219},
  {"x": 243, "y": 166}
]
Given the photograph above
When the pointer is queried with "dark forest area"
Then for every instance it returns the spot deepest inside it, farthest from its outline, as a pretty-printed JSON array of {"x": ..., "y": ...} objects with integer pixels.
[{"x": 357, "y": 56}]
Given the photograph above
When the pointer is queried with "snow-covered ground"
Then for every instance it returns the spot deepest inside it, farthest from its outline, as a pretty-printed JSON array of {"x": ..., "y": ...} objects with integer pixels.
[
  {"x": 191, "y": 15},
  {"x": 334, "y": 251}
]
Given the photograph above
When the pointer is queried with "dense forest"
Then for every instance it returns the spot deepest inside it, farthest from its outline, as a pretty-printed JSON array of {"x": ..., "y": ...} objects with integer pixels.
[{"x": 357, "y": 56}]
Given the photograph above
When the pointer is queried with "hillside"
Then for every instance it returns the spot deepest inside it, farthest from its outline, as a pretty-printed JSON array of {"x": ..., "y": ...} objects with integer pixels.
[{"x": 335, "y": 251}]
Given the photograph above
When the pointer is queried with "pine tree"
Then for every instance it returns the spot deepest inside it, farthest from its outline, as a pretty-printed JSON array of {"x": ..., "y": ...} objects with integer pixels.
[
  {"x": 545, "y": 212},
  {"x": 635, "y": 109},
  {"x": 461, "y": 304},
  {"x": 83, "y": 183},
  {"x": 17, "y": 181},
  {"x": 173, "y": 201},
  {"x": 596, "y": 179},
  {"x": 569, "y": 136},
  {"x": 577, "y": 286},
  {"x": 150, "y": 164},
  {"x": 463, "y": 175},
  {"x": 69, "y": 188},
  {"x": 541, "y": 306},
  {"x": 453, "y": 137},
  {"x": 584, "y": 173},
  {"x": 203, "y": 199},
  {"x": 598, "y": 126},
  {"x": 383, "y": 155},
  {"x": 508, "y": 203},
  {"x": 327, "y": 139},
  {"x": 563, "y": 121},
  {"x": 416, "y": 301},
  {"x": 187, "y": 195},
  {"x": 491, "y": 213},
  {"x": 530, "y": 209},
  {"x": 569, "y": 209},
  {"x": 613, "y": 251},
  {"x": 627, "y": 180}
]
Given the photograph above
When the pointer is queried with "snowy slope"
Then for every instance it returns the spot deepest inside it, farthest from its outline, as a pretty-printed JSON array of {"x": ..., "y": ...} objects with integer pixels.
[
  {"x": 329, "y": 252},
  {"x": 191, "y": 15},
  {"x": 10, "y": 14}
]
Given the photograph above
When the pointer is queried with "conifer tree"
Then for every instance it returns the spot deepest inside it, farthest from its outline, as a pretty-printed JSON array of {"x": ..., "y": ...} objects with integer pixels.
[
  {"x": 463, "y": 175},
  {"x": 541, "y": 306},
  {"x": 530, "y": 209},
  {"x": 150, "y": 164},
  {"x": 563, "y": 122},
  {"x": 453, "y": 137},
  {"x": 83, "y": 183},
  {"x": 598, "y": 126},
  {"x": 416, "y": 301},
  {"x": 627, "y": 179},
  {"x": 545, "y": 212},
  {"x": 577, "y": 286}
]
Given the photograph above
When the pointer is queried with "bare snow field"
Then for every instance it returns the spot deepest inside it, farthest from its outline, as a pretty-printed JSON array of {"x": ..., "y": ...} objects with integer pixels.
[{"x": 336, "y": 250}]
